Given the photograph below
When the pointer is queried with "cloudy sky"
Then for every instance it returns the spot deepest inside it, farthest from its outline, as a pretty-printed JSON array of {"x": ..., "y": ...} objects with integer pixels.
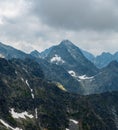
[{"x": 39, "y": 24}]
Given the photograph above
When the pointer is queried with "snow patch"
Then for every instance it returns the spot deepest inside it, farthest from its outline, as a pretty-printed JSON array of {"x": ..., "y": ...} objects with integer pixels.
[
  {"x": 67, "y": 129},
  {"x": 32, "y": 95},
  {"x": 20, "y": 115},
  {"x": 74, "y": 121},
  {"x": 27, "y": 83},
  {"x": 57, "y": 59},
  {"x": 36, "y": 113},
  {"x": 31, "y": 90},
  {"x": 16, "y": 72},
  {"x": 25, "y": 70},
  {"x": 8, "y": 126},
  {"x": 2, "y": 56},
  {"x": 82, "y": 77},
  {"x": 22, "y": 79},
  {"x": 72, "y": 73}
]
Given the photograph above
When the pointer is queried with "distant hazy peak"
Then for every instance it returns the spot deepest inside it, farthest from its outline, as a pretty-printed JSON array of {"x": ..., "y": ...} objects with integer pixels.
[{"x": 106, "y": 53}]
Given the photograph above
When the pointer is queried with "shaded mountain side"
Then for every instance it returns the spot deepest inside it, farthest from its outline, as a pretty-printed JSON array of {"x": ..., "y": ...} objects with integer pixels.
[
  {"x": 97, "y": 112},
  {"x": 57, "y": 73},
  {"x": 26, "y": 89},
  {"x": 46, "y": 52},
  {"x": 9, "y": 52},
  {"x": 88, "y": 55},
  {"x": 104, "y": 81}
]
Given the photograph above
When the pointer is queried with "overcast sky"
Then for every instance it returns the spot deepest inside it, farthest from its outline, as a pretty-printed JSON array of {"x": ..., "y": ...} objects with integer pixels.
[{"x": 39, "y": 24}]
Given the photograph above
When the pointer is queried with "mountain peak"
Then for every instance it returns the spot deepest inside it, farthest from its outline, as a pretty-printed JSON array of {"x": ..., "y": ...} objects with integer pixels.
[{"x": 66, "y": 42}]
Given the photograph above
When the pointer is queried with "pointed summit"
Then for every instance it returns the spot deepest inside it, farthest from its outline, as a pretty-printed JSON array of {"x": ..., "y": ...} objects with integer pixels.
[
  {"x": 67, "y": 43},
  {"x": 71, "y": 47}
]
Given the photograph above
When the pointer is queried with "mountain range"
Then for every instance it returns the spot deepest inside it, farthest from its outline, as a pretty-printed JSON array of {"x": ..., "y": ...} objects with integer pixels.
[
  {"x": 102, "y": 60},
  {"x": 60, "y": 88},
  {"x": 75, "y": 61},
  {"x": 69, "y": 65}
]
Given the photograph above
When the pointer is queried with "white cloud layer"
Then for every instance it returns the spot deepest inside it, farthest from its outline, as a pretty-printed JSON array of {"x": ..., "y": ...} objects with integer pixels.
[{"x": 39, "y": 24}]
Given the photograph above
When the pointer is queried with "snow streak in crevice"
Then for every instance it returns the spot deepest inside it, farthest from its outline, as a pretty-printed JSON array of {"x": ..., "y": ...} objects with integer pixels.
[{"x": 32, "y": 94}]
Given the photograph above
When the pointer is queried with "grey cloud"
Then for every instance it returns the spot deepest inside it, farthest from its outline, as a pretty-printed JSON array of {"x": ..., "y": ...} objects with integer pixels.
[
  {"x": 78, "y": 14},
  {"x": 39, "y": 24}
]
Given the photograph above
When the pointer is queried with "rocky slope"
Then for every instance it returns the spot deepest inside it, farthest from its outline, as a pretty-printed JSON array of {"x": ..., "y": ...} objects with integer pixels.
[{"x": 29, "y": 102}]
